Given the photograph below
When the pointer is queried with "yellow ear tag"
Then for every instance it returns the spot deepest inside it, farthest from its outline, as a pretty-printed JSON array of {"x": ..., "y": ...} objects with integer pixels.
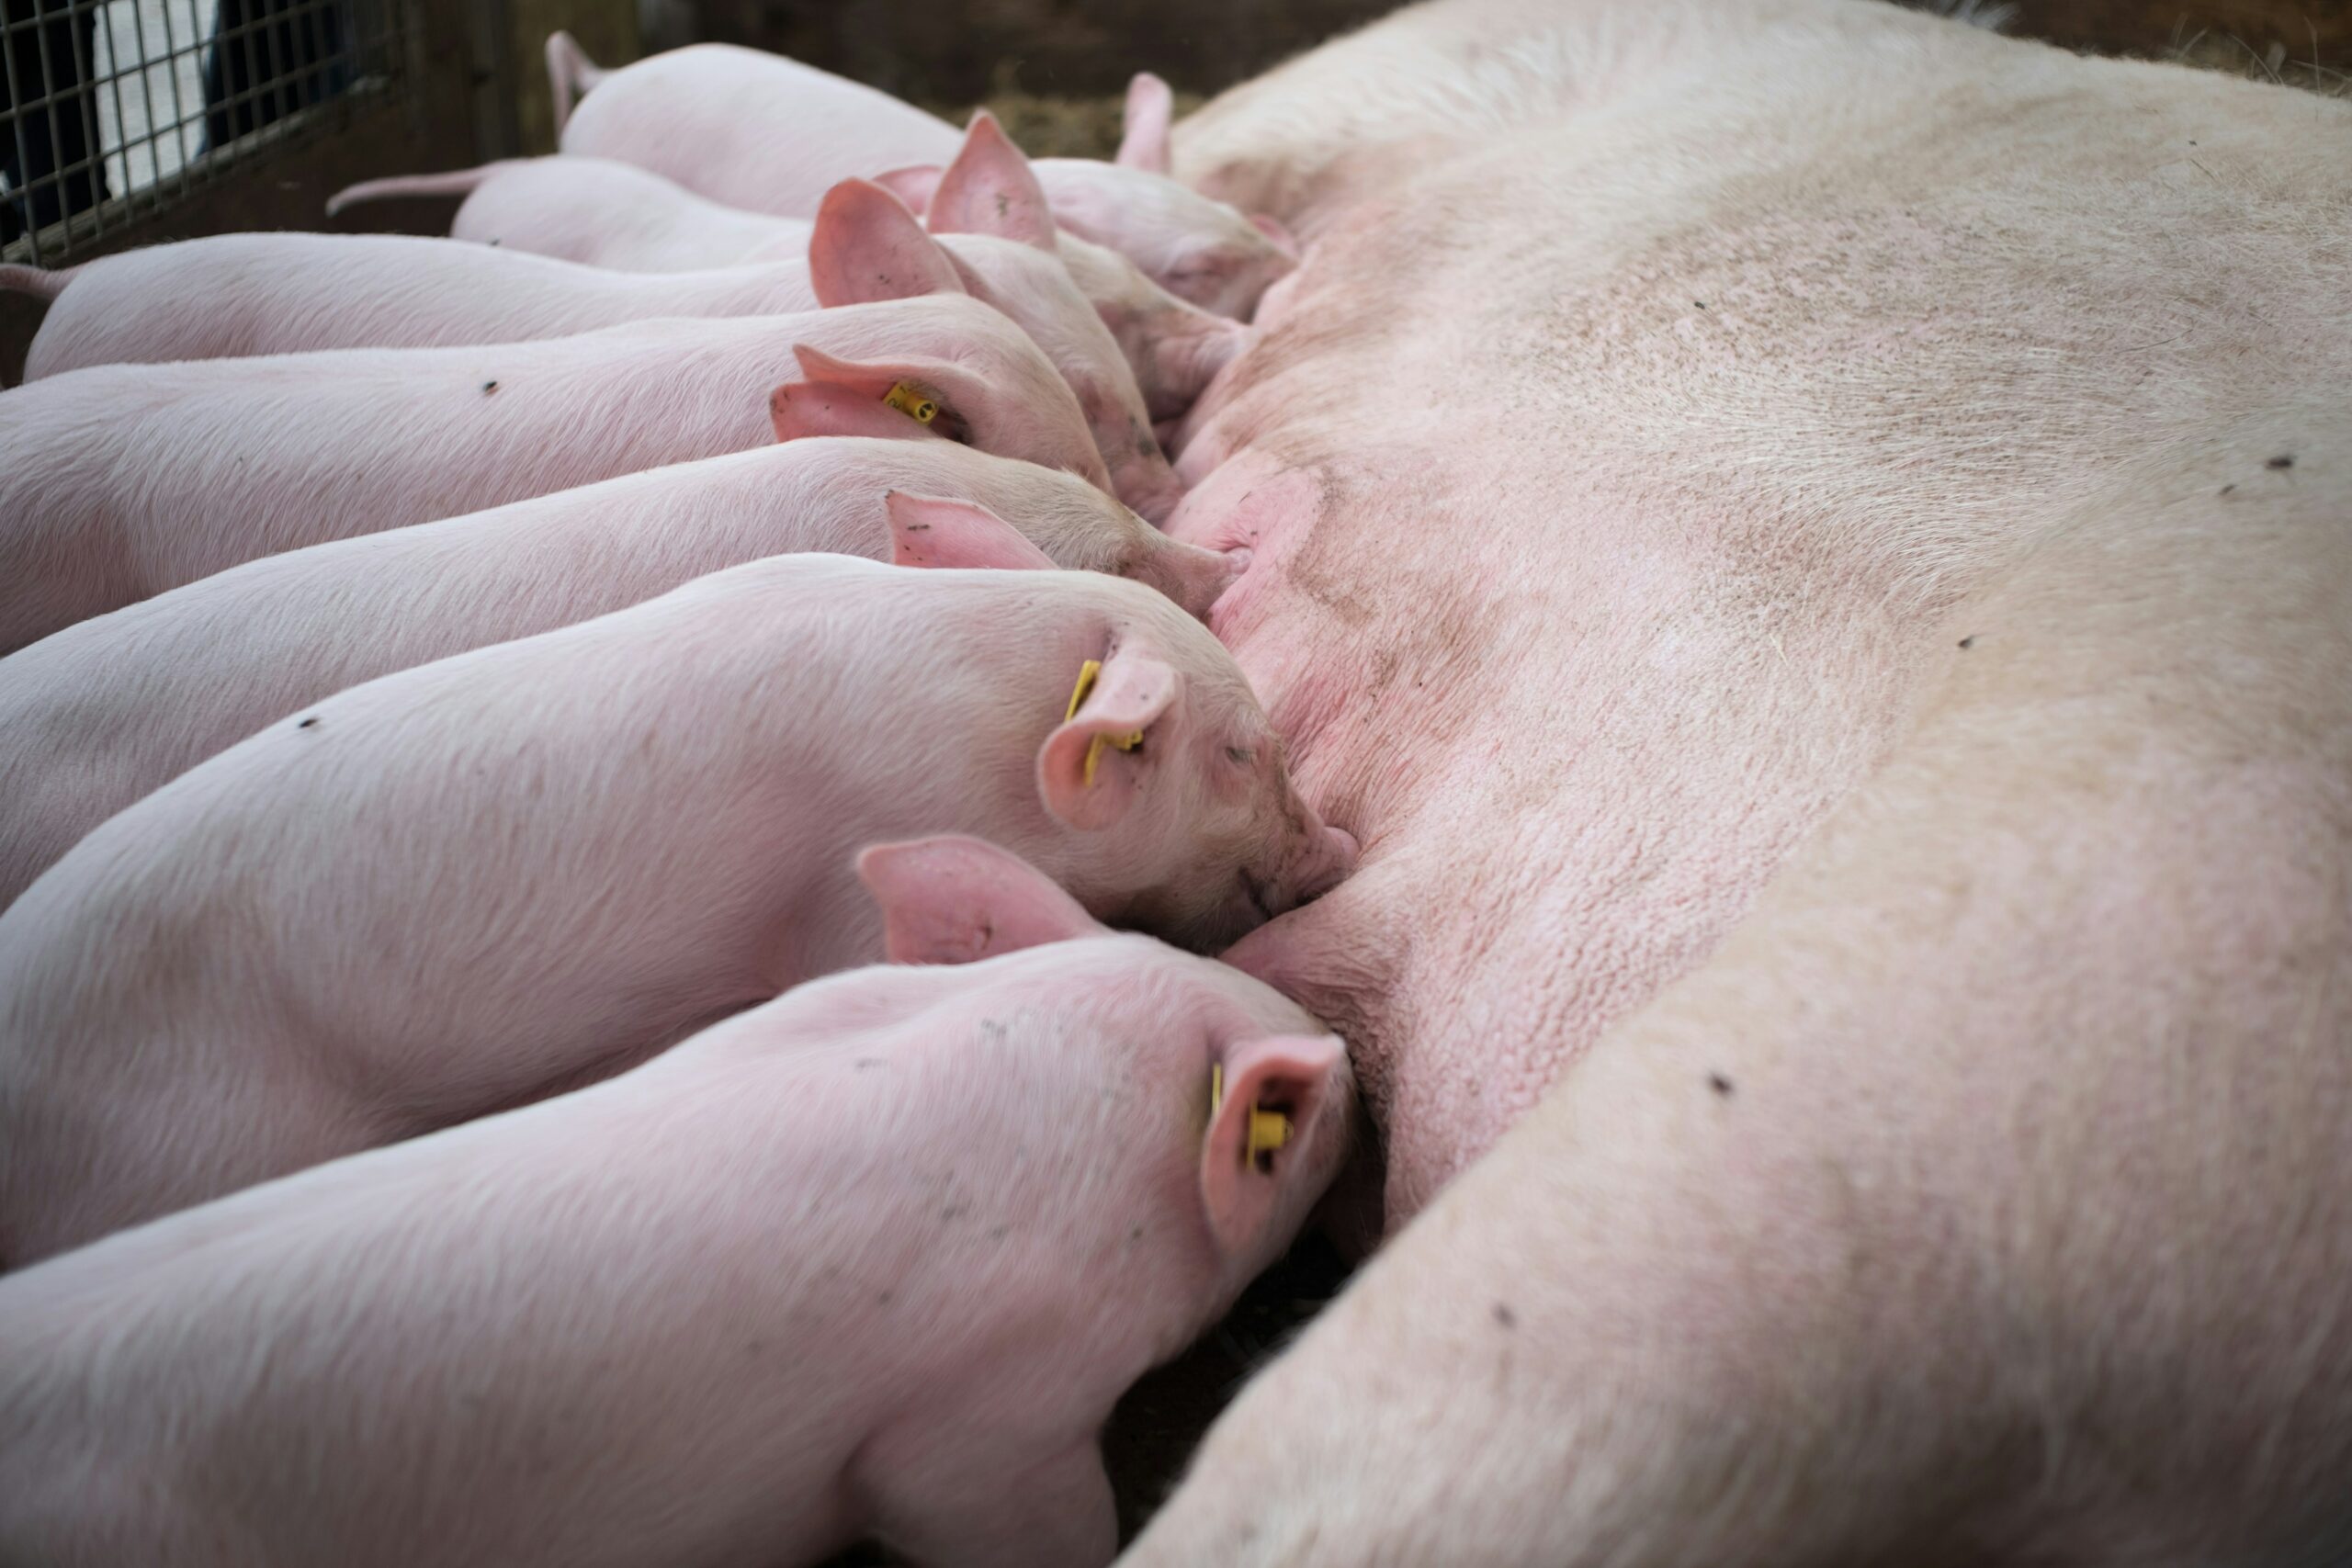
[
  {"x": 911, "y": 404},
  {"x": 1086, "y": 672},
  {"x": 1269, "y": 1129}
]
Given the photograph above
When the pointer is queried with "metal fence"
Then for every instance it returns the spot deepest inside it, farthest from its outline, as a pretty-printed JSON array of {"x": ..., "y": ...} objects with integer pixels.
[{"x": 112, "y": 108}]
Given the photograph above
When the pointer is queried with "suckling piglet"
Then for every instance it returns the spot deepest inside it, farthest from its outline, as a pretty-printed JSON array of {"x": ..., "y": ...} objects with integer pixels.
[
  {"x": 485, "y": 880},
  {"x": 874, "y": 1259}
]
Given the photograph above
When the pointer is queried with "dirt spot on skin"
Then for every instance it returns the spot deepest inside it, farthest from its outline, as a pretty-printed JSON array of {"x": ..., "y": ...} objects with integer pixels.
[
  {"x": 2284, "y": 460},
  {"x": 1505, "y": 1317},
  {"x": 488, "y": 388},
  {"x": 1720, "y": 1084},
  {"x": 310, "y": 723},
  {"x": 1966, "y": 643}
]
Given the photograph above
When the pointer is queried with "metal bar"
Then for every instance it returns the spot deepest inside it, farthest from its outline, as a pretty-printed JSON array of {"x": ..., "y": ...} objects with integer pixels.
[
  {"x": 179, "y": 113},
  {"x": 86, "y": 109},
  {"x": 289, "y": 74},
  {"x": 147, "y": 96},
  {"x": 55, "y": 179},
  {"x": 318, "y": 72},
  {"x": 19, "y": 183}
]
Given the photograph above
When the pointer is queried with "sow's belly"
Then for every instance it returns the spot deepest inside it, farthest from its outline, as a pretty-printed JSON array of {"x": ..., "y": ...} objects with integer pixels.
[
  {"x": 1601, "y": 546},
  {"x": 1575, "y": 706}
]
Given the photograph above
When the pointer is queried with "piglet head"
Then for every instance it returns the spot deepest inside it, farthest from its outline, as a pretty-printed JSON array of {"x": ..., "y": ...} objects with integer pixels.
[
  {"x": 1067, "y": 523},
  {"x": 1034, "y": 289},
  {"x": 1005, "y": 398},
  {"x": 989, "y": 209},
  {"x": 1174, "y": 348},
  {"x": 1197, "y": 249},
  {"x": 1192, "y": 577},
  {"x": 1165, "y": 754},
  {"x": 1258, "y": 1098}
]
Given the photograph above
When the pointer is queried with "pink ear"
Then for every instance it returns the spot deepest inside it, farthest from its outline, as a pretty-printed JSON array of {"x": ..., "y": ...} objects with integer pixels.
[
  {"x": 929, "y": 380},
  {"x": 1149, "y": 106},
  {"x": 1091, "y": 768},
  {"x": 929, "y": 530},
  {"x": 867, "y": 246},
  {"x": 1288, "y": 1076},
  {"x": 822, "y": 408},
  {"x": 991, "y": 189},
  {"x": 1276, "y": 235},
  {"x": 952, "y": 901},
  {"x": 912, "y": 184}
]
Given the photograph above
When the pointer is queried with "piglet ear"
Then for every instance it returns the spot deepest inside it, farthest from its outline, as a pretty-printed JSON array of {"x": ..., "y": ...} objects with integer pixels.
[
  {"x": 991, "y": 189},
  {"x": 867, "y": 246},
  {"x": 1150, "y": 105},
  {"x": 912, "y": 184},
  {"x": 1274, "y": 1092},
  {"x": 930, "y": 531},
  {"x": 1091, "y": 768},
  {"x": 954, "y": 901},
  {"x": 823, "y": 407},
  {"x": 1276, "y": 235},
  {"x": 916, "y": 390}
]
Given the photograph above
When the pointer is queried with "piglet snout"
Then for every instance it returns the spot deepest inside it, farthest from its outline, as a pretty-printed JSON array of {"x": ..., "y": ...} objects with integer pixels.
[{"x": 1327, "y": 860}]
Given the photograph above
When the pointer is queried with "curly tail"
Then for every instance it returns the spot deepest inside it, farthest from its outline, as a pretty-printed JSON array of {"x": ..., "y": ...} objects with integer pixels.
[
  {"x": 571, "y": 75},
  {"x": 457, "y": 182},
  {"x": 33, "y": 281}
]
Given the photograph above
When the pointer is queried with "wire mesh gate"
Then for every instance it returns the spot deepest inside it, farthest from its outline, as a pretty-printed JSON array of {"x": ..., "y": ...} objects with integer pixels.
[{"x": 112, "y": 109}]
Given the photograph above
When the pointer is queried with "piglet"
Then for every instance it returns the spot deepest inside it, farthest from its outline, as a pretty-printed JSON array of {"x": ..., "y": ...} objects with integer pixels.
[
  {"x": 1002, "y": 241},
  {"x": 1200, "y": 251},
  {"x": 126, "y": 480},
  {"x": 596, "y": 210},
  {"x": 105, "y": 712},
  {"x": 256, "y": 294},
  {"x": 234, "y": 296},
  {"x": 768, "y": 134},
  {"x": 608, "y": 214},
  {"x": 750, "y": 128},
  {"x": 874, "y": 1259},
  {"x": 1174, "y": 348},
  {"x": 474, "y": 882}
]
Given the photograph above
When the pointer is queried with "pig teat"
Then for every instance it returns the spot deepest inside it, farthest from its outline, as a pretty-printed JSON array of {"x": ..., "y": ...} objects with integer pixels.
[{"x": 1087, "y": 673}]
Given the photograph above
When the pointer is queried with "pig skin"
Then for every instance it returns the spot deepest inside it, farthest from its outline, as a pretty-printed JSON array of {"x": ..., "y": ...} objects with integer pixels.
[
  {"x": 1828, "y": 612},
  {"x": 102, "y": 713},
  {"x": 239, "y": 295},
  {"x": 482, "y": 880},
  {"x": 875, "y": 1258},
  {"x": 126, "y": 480}
]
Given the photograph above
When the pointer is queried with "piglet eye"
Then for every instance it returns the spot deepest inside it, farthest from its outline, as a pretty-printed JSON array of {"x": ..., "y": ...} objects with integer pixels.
[{"x": 1241, "y": 755}]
